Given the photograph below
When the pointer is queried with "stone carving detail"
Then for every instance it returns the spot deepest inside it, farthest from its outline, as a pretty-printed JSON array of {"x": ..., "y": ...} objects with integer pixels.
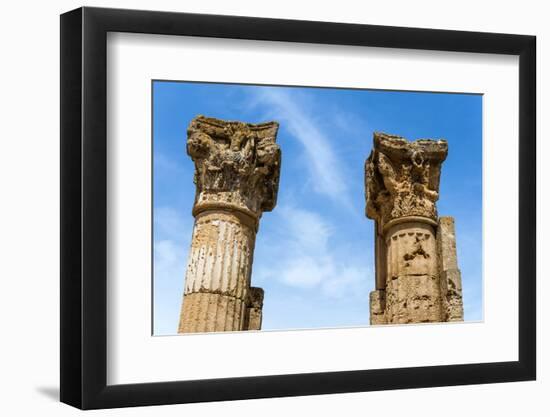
[
  {"x": 235, "y": 163},
  {"x": 418, "y": 250},
  {"x": 402, "y": 177},
  {"x": 417, "y": 277},
  {"x": 412, "y": 284},
  {"x": 237, "y": 176}
]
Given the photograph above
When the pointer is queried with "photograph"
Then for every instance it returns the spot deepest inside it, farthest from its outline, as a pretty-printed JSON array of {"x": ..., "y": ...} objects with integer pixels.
[
  {"x": 264, "y": 209},
  {"x": 325, "y": 211},
  {"x": 279, "y": 207}
]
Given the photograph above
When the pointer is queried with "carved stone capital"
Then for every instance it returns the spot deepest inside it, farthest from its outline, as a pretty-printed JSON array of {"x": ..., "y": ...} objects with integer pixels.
[
  {"x": 237, "y": 165},
  {"x": 402, "y": 178}
]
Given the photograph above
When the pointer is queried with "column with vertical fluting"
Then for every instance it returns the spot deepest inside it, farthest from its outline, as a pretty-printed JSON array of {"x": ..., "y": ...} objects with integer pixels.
[
  {"x": 236, "y": 174},
  {"x": 218, "y": 272},
  {"x": 402, "y": 187}
]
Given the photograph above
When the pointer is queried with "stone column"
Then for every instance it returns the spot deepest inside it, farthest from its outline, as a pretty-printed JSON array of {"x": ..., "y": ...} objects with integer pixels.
[
  {"x": 402, "y": 187},
  {"x": 451, "y": 280},
  {"x": 237, "y": 176}
]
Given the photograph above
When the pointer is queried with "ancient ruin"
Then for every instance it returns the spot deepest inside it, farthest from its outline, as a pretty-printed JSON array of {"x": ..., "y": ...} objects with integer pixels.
[
  {"x": 237, "y": 176},
  {"x": 417, "y": 276}
]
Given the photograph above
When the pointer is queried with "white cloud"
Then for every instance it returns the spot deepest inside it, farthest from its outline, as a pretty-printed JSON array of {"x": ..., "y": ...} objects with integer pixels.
[
  {"x": 305, "y": 256},
  {"x": 169, "y": 274},
  {"x": 169, "y": 223},
  {"x": 167, "y": 255},
  {"x": 351, "y": 124},
  {"x": 171, "y": 248},
  {"x": 165, "y": 164},
  {"x": 307, "y": 231},
  {"x": 325, "y": 169},
  {"x": 304, "y": 272},
  {"x": 353, "y": 278}
]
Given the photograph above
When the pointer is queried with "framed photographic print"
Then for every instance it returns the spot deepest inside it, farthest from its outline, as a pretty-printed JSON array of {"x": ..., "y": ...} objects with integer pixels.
[{"x": 257, "y": 208}]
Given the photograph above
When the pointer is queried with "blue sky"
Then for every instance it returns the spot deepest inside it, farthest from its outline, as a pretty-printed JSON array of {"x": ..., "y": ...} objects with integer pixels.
[{"x": 314, "y": 251}]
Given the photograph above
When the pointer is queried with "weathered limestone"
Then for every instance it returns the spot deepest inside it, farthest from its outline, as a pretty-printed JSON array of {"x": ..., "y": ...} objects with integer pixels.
[
  {"x": 417, "y": 276},
  {"x": 237, "y": 176},
  {"x": 254, "y": 310},
  {"x": 451, "y": 282}
]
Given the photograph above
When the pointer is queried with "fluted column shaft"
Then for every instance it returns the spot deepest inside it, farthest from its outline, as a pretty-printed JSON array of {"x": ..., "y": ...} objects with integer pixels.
[{"x": 218, "y": 273}]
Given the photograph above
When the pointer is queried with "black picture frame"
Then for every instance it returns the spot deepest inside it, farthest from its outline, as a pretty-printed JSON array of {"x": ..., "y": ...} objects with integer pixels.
[{"x": 84, "y": 207}]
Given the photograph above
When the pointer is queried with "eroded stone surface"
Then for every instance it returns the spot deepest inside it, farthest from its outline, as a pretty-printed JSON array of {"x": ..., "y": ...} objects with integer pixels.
[
  {"x": 254, "y": 309},
  {"x": 211, "y": 312},
  {"x": 402, "y": 177},
  {"x": 412, "y": 284},
  {"x": 377, "y": 301},
  {"x": 451, "y": 281},
  {"x": 236, "y": 164},
  {"x": 220, "y": 258},
  {"x": 236, "y": 175},
  {"x": 416, "y": 279}
]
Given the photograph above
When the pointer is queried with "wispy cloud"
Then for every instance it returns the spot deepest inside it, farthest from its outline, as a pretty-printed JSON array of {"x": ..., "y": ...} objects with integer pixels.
[
  {"x": 305, "y": 256},
  {"x": 168, "y": 256},
  {"x": 351, "y": 124},
  {"x": 169, "y": 273},
  {"x": 170, "y": 224},
  {"x": 165, "y": 164},
  {"x": 326, "y": 170},
  {"x": 171, "y": 247}
]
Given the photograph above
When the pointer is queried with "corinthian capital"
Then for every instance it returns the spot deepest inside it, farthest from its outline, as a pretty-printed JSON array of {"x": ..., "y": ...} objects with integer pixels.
[
  {"x": 237, "y": 164},
  {"x": 402, "y": 177}
]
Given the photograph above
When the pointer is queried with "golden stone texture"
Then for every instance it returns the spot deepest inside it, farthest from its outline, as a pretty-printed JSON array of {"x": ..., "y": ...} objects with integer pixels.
[
  {"x": 237, "y": 169},
  {"x": 417, "y": 276}
]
